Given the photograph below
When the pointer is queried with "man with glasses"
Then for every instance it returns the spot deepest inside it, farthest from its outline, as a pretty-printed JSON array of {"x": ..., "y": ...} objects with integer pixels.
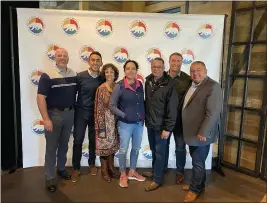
[{"x": 160, "y": 100}]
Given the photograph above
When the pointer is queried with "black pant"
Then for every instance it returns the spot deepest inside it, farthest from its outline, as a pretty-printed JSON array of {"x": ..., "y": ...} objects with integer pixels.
[
  {"x": 180, "y": 151},
  {"x": 81, "y": 121},
  {"x": 199, "y": 155}
]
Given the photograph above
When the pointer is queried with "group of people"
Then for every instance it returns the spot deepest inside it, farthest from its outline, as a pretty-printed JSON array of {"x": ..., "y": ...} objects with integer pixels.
[{"x": 171, "y": 102}]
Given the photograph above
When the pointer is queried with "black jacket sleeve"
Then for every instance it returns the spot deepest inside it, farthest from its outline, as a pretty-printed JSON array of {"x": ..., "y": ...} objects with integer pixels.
[{"x": 171, "y": 108}]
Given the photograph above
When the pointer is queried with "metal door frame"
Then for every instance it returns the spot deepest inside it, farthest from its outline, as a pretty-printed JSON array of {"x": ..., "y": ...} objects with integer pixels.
[{"x": 262, "y": 112}]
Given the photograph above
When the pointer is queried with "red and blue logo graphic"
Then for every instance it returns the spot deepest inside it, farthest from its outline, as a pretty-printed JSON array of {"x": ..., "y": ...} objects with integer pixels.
[
  {"x": 138, "y": 29},
  {"x": 70, "y": 26},
  {"x": 153, "y": 53},
  {"x": 51, "y": 50},
  {"x": 120, "y": 55},
  {"x": 85, "y": 52},
  {"x": 38, "y": 127},
  {"x": 188, "y": 56},
  {"x": 147, "y": 153},
  {"x": 205, "y": 31},
  {"x": 35, "y": 77},
  {"x": 140, "y": 78},
  {"x": 172, "y": 29},
  {"x": 36, "y": 25},
  {"x": 116, "y": 155},
  {"x": 85, "y": 151},
  {"x": 104, "y": 28}
]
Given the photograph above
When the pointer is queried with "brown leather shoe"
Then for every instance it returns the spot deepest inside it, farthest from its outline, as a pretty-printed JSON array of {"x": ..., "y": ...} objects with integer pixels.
[
  {"x": 190, "y": 197},
  {"x": 93, "y": 170},
  {"x": 263, "y": 199},
  {"x": 186, "y": 187},
  {"x": 152, "y": 186},
  {"x": 75, "y": 176},
  {"x": 179, "y": 179}
]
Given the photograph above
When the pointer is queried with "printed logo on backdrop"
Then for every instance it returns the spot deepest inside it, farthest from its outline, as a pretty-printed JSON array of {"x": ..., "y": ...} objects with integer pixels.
[
  {"x": 35, "y": 25},
  {"x": 85, "y": 52},
  {"x": 104, "y": 27},
  {"x": 140, "y": 77},
  {"x": 153, "y": 53},
  {"x": 51, "y": 50},
  {"x": 120, "y": 55},
  {"x": 70, "y": 26},
  {"x": 35, "y": 77},
  {"x": 138, "y": 29},
  {"x": 205, "y": 31},
  {"x": 116, "y": 155},
  {"x": 85, "y": 151},
  {"x": 147, "y": 153},
  {"x": 38, "y": 127},
  {"x": 188, "y": 56},
  {"x": 172, "y": 30}
]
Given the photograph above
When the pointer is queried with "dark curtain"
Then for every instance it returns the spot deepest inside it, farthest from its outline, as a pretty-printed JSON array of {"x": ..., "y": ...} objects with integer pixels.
[{"x": 8, "y": 135}]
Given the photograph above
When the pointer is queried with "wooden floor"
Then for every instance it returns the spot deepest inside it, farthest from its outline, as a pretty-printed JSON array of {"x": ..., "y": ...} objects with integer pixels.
[{"x": 28, "y": 185}]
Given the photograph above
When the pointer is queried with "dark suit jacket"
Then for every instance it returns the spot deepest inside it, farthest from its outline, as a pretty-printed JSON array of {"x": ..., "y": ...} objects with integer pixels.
[{"x": 201, "y": 115}]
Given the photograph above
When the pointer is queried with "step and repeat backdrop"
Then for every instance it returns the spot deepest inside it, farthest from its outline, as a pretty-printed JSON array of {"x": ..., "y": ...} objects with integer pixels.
[{"x": 118, "y": 36}]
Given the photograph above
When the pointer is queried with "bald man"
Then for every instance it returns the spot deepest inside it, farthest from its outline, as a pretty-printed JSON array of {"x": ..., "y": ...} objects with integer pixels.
[{"x": 55, "y": 99}]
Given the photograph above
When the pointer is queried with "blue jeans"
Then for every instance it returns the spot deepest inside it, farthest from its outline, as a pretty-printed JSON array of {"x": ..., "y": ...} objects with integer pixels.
[
  {"x": 126, "y": 132},
  {"x": 180, "y": 151},
  {"x": 158, "y": 147},
  {"x": 199, "y": 155}
]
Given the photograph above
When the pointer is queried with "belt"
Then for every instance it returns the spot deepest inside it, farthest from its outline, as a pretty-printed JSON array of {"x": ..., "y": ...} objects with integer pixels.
[{"x": 59, "y": 109}]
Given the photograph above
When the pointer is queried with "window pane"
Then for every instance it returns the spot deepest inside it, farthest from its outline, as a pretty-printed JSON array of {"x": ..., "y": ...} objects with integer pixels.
[
  {"x": 242, "y": 26},
  {"x": 230, "y": 150},
  {"x": 259, "y": 3},
  {"x": 255, "y": 93},
  {"x": 264, "y": 155},
  {"x": 258, "y": 63},
  {"x": 236, "y": 91},
  {"x": 243, "y": 4},
  {"x": 260, "y": 23},
  {"x": 233, "y": 122},
  {"x": 172, "y": 10},
  {"x": 248, "y": 155},
  {"x": 239, "y": 59},
  {"x": 251, "y": 125}
]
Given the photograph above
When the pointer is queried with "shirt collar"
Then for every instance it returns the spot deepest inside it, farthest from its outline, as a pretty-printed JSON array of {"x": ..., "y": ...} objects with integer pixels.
[
  {"x": 196, "y": 85},
  {"x": 126, "y": 84},
  {"x": 94, "y": 75},
  {"x": 61, "y": 71},
  {"x": 158, "y": 80},
  {"x": 178, "y": 74}
]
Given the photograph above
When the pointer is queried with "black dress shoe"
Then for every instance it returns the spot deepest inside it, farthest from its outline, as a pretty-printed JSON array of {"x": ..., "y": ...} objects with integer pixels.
[
  {"x": 51, "y": 185},
  {"x": 51, "y": 188},
  {"x": 166, "y": 170},
  {"x": 64, "y": 174}
]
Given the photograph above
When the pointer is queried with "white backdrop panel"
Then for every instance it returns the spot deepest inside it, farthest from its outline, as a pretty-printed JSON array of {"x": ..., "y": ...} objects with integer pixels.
[{"x": 117, "y": 36}]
